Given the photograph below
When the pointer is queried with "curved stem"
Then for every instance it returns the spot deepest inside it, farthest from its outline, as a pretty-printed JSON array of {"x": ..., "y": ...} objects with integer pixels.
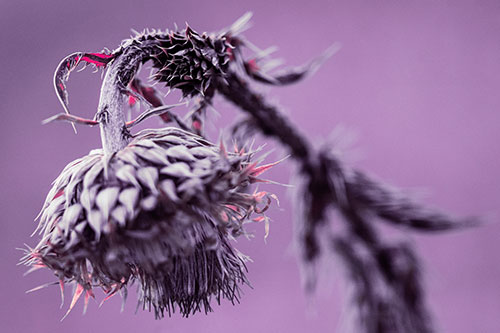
[
  {"x": 114, "y": 133},
  {"x": 110, "y": 112}
]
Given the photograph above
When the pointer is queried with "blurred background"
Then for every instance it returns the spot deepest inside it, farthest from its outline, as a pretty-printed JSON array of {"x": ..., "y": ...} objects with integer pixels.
[{"x": 415, "y": 81}]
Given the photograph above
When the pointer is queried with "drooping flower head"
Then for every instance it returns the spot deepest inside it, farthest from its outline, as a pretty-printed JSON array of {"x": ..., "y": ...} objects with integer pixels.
[
  {"x": 161, "y": 212},
  {"x": 159, "y": 207}
]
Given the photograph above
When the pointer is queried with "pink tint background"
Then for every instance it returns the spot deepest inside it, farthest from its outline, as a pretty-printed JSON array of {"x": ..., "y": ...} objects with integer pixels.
[{"x": 416, "y": 80}]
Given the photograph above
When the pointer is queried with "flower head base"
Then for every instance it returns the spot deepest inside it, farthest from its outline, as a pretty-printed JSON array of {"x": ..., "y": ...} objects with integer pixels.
[{"x": 161, "y": 211}]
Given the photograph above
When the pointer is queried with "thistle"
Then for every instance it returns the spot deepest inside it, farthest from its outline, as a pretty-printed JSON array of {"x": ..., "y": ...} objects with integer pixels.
[
  {"x": 158, "y": 208},
  {"x": 161, "y": 206}
]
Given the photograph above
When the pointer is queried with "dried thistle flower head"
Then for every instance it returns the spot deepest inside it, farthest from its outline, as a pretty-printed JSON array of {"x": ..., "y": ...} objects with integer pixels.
[{"x": 161, "y": 212}]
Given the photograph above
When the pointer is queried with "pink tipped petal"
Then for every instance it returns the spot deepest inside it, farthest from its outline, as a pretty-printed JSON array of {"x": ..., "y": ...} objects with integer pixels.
[
  {"x": 76, "y": 296},
  {"x": 259, "y": 219},
  {"x": 249, "y": 168},
  {"x": 88, "y": 294},
  {"x": 259, "y": 170},
  {"x": 61, "y": 286},
  {"x": 263, "y": 168},
  {"x": 58, "y": 194},
  {"x": 111, "y": 294},
  {"x": 233, "y": 207},
  {"x": 32, "y": 269},
  {"x": 259, "y": 195}
]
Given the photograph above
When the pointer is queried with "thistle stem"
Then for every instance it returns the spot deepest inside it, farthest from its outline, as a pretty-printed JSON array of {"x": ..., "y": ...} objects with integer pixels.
[{"x": 110, "y": 115}]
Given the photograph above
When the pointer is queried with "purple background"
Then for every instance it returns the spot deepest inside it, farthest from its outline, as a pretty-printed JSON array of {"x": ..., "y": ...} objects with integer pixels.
[{"x": 416, "y": 80}]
